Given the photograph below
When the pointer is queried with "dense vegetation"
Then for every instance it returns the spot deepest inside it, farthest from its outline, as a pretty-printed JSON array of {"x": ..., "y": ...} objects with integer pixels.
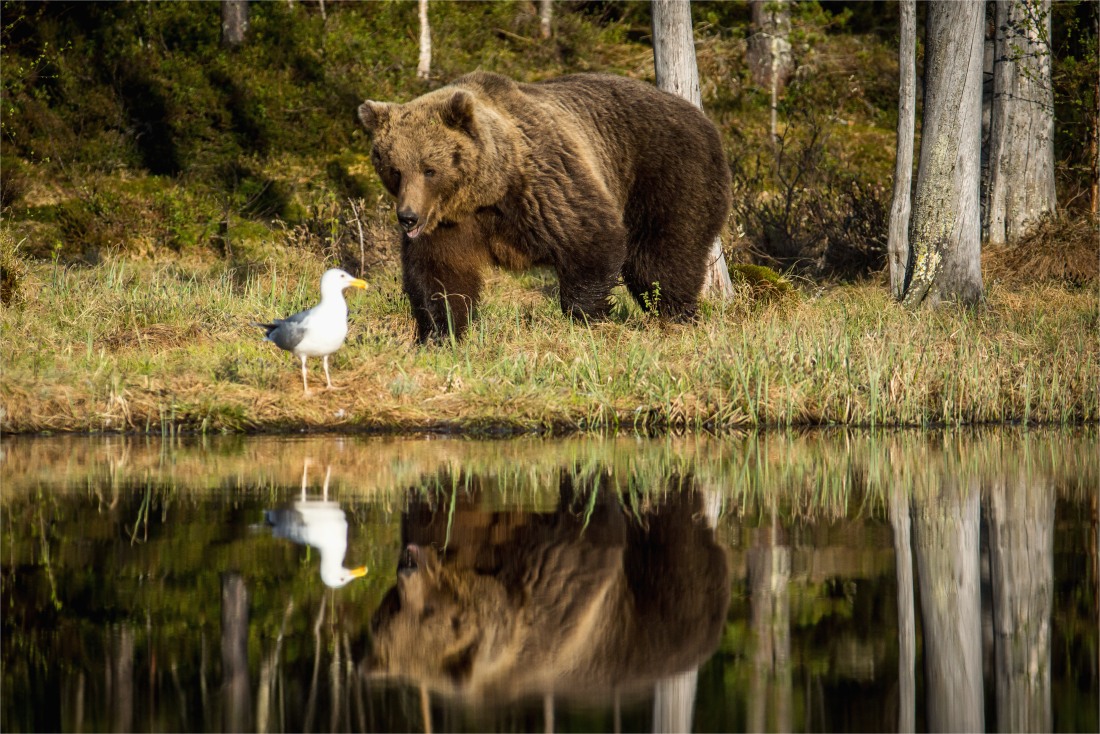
[{"x": 160, "y": 190}]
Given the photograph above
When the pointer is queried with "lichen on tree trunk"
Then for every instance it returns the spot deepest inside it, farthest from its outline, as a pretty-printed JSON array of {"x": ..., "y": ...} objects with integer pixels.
[{"x": 945, "y": 230}]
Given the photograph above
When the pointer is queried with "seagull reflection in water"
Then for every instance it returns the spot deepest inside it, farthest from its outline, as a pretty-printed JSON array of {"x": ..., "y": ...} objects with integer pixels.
[{"x": 320, "y": 524}]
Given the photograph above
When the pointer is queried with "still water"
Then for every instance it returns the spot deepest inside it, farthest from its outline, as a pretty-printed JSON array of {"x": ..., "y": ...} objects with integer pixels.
[{"x": 818, "y": 582}]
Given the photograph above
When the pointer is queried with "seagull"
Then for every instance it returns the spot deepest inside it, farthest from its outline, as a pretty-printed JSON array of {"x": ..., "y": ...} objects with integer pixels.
[
  {"x": 322, "y": 525},
  {"x": 317, "y": 331}
]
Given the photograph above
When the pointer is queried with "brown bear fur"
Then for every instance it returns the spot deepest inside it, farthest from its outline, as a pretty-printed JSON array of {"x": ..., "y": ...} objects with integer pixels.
[
  {"x": 596, "y": 176},
  {"x": 583, "y": 602}
]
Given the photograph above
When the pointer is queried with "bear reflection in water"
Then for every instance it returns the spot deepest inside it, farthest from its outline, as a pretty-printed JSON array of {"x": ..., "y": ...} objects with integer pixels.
[{"x": 598, "y": 596}]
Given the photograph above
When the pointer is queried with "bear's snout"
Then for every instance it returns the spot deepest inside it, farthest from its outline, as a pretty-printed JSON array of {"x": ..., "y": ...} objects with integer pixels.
[{"x": 409, "y": 221}]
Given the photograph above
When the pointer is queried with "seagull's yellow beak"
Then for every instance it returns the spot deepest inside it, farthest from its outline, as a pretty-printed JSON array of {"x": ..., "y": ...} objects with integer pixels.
[
  {"x": 358, "y": 573},
  {"x": 358, "y": 283}
]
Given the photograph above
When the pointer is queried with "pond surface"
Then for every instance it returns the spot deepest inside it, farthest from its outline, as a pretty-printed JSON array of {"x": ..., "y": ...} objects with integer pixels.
[{"x": 824, "y": 582}]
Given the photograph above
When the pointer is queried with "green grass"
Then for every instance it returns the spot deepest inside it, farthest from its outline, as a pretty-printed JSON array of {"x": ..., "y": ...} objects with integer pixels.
[{"x": 135, "y": 345}]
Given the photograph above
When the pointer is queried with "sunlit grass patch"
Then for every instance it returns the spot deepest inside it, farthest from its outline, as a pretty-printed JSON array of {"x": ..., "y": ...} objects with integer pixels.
[{"x": 137, "y": 345}]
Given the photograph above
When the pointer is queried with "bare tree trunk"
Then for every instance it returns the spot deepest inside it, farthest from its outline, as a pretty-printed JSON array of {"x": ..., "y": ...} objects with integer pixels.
[
  {"x": 1094, "y": 153},
  {"x": 945, "y": 234},
  {"x": 268, "y": 668},
  {"x": 424, "y": 66},
  {"x": 674, "y": 50},
  {"x": 898, "y": 243},
  {"x": 1020, "y": 516},
  {"x": 770, "y": 693},
  {"x": 677, "y": 72},
  {"x": 235, "y": 684},
  {"x": 769, "y": 50},
  {"x": 945, "y": 540},
  {"x": 907, "y": 656},
  {"x": 234, "y": 22},
  {"x": 988, "y": 56},
  {"x": 674, "y": 701},
  {"x": 1021, "y": 145},
  {"x": 1094, "y": 141},
  {"x": 78, "y": 703},
  {"x": 546, "y": 15},
  {"x": 122, "y": 679}
]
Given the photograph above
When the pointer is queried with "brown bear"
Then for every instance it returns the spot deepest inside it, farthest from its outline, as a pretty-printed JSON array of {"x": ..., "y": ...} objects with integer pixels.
[
  {"x": 596, "y": 176},
  {"x": 595, "y": 599}
]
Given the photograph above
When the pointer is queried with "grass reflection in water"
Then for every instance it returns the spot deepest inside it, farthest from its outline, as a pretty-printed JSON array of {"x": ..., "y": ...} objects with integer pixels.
[{"x": 588, "y": 584}]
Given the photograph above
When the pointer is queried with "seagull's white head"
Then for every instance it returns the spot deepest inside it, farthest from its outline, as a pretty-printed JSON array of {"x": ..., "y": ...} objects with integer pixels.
[
  {"x": 338, "y": 576},
  {"x": 334, "y": 281}
]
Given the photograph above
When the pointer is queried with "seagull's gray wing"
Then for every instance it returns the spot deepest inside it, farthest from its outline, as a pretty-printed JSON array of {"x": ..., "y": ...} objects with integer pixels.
[
  {"x": 286, "y": 333},
  {"x": 285, "y": 523}
]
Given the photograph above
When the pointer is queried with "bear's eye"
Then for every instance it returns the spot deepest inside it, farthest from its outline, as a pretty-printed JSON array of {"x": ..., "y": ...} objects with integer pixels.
[{"x": 429, "y": 172}]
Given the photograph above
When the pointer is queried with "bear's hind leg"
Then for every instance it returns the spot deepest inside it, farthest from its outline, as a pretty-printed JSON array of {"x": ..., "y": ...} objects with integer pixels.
[
  {"x": 669, "y": 289},
  {"x": 592, "y": 269}
]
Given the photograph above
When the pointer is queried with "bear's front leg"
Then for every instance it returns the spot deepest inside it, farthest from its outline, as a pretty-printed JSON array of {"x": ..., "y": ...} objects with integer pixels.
[{"x": 443, "y": 283}]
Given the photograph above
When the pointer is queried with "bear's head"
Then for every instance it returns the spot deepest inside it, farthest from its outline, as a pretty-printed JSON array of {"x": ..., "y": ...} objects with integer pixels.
[
  {"x": 437, "y": 626},
  {"x": 437, "y": 155}
]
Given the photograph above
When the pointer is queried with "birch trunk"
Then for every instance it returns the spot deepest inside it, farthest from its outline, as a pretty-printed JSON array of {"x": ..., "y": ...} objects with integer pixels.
[
  {"x": 674, "y": 701},
  {"x": 677, "y": 72},
  {"x": 769, "y": 50},
  {"x": 234, "y": 22},
  {"x": 546, "y": 16},
  {"x": 771, "y": 690},
  {"x": 898, "y": 242},
  {"x": 1021, "y": 144},
  {"x": 236, "y": 711},
  {"x": 945, "y": 233},
  {"x": 907, "y": 645},
  {"x": 122, "y": 678},
  {"x": 1020, "y": 516},
  {"x": 945, "y": 541},
  {"x": 424, "y": 66}
]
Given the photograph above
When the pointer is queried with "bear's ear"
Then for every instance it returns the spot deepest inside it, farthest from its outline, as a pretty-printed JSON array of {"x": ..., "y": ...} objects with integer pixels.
[
  {"x": 373, "y": 114},
  {"x": 458, "y": 111}
]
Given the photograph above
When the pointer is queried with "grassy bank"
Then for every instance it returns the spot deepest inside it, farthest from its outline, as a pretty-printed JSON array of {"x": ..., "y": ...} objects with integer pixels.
[{"x": 135, "y": 345}]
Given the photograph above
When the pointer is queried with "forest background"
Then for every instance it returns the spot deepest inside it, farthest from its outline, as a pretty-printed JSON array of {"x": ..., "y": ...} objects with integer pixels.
[{"x": 161, "y": 189}]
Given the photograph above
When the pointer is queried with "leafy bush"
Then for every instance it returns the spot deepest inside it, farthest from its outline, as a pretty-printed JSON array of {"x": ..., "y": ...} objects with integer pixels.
[{"x": 801, "y": 201}]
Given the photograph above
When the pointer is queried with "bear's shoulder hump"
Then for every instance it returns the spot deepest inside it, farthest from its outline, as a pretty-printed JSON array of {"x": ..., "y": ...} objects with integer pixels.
[{"x": 487, "y": 82}]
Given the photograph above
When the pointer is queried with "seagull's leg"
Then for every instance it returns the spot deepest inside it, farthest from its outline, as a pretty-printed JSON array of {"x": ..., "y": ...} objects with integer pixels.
[
  {"x": 305, "y": 382},
  {"x": 305, "y": 473},
  {"x": 328, "y": 379}
]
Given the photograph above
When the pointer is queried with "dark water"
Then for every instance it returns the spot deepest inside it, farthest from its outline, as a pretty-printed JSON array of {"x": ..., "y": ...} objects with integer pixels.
[{"x": 824, "y": 582}]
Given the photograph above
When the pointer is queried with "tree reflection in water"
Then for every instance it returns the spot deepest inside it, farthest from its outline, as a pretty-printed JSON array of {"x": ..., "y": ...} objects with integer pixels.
[{"x": 767, "y": 582}]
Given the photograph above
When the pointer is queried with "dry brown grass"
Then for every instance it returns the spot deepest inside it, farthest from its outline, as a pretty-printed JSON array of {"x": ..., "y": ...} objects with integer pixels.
[
  {"x": 1059, "y": 248},
  {"x": 166, "y": 347}
]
